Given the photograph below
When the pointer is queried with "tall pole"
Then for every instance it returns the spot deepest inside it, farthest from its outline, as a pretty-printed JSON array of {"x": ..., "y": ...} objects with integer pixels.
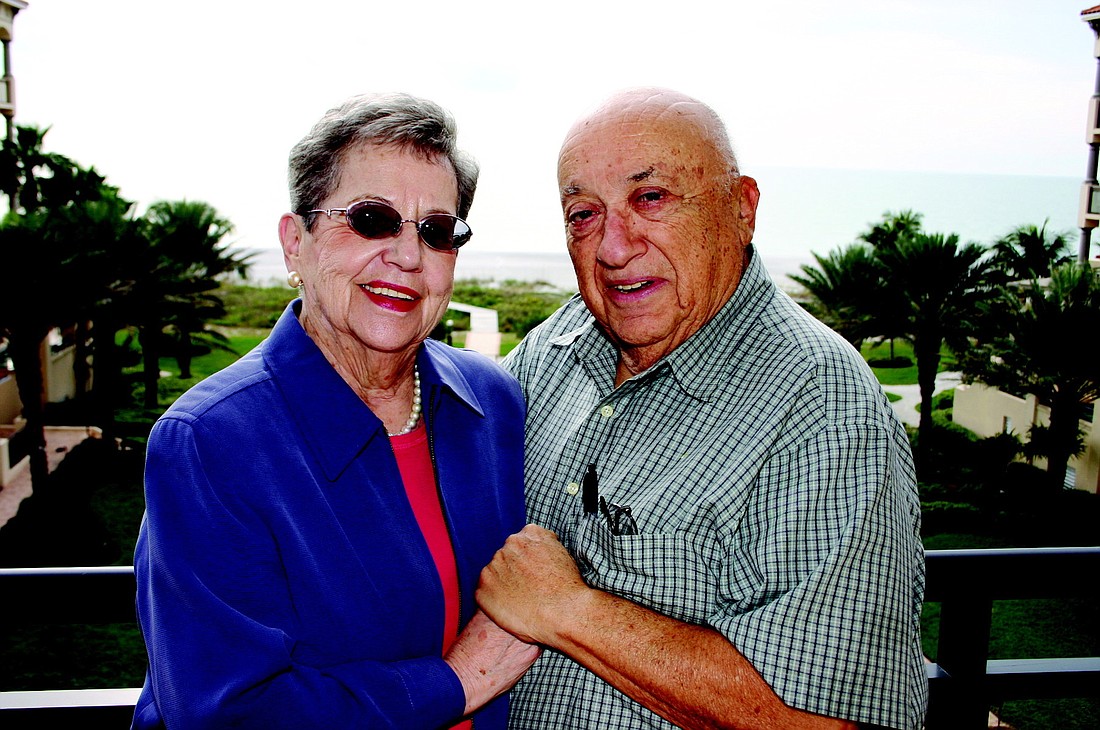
[
  {"x": 1087, "y": 219},
  {"x": 9, "y": 118},
  {"x": 1089, "y": 213},
  {"x": 9, "y": 110},
  {"x": 8, "y": 10}
]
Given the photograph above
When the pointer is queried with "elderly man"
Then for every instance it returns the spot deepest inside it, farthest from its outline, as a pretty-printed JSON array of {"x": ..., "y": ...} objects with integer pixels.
[{"x": 726, "y": 520}]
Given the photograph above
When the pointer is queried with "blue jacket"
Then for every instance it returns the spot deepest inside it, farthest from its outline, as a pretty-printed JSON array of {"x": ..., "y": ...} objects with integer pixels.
[{"x": 282, "y": 578}]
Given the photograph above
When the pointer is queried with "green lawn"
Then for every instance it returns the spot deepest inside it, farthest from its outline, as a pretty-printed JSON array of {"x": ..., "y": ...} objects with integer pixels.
[
  {"x": 241, "y": 340},
  {"x": 879, "y": 352}
]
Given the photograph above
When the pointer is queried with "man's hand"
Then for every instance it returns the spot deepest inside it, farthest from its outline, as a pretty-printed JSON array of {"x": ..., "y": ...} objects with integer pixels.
[
  {"x": 531, "y": 582},
  {"x": 690, "y": 675},
  {"x": 488, "y": 660}
]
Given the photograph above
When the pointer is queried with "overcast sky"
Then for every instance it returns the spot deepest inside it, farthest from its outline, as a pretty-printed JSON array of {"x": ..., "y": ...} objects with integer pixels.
[{"x": 203, "y": 100}]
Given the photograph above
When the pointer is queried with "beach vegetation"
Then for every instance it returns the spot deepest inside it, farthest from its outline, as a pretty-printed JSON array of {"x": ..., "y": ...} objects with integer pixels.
[
  {"x": 253, "y": 307},
  {"x": 848, "y": 292},
  {"x": 940, "y": 280}
]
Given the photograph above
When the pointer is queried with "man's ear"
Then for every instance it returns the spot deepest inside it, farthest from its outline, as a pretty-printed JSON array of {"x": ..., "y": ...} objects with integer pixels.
[
  {"x": 291, "y": 232},
  {"x": 748, "y": 197}
]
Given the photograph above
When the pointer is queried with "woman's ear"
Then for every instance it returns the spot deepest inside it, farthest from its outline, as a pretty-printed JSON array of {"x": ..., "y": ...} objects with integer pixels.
[{"x": 291, "y": 232}]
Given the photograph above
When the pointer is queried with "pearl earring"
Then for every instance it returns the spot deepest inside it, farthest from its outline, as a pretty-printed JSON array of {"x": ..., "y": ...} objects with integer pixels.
[{"x": 294, "y": 279}]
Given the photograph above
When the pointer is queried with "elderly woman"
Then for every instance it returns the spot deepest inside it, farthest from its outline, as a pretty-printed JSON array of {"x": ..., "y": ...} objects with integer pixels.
[{"x": 318, "y": 513}]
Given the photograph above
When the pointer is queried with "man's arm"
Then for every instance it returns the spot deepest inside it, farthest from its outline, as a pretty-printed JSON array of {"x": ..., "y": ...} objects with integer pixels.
[{"x": 691, "y": 675}]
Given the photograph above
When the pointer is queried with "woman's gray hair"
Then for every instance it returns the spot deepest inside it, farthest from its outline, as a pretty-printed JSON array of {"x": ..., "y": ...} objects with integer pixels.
[{"x": 410, "y": 123}]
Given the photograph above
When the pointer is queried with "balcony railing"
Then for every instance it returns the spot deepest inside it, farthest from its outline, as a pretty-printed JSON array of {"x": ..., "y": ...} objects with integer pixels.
[
  {"x": 963, "y": 682},
  {"x": 67, "y": 596}
]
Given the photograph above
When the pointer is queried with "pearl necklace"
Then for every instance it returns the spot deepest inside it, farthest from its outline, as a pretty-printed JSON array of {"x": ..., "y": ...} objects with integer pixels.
[{"x": 414, "y": 416}]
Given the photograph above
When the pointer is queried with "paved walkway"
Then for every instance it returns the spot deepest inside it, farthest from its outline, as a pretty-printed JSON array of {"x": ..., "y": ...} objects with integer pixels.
[
  {"x": 59, "y": 440},
  {"x": 908, "y": 408}
]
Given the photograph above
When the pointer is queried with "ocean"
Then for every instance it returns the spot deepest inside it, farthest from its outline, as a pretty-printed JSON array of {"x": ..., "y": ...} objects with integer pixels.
[
  {"x": 807, "y": 211},
  {"x": 554, "y": 268}
]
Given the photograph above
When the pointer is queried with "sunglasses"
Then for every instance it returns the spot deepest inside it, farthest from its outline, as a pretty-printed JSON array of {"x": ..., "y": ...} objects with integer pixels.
[{"x": 373, "y": 220}]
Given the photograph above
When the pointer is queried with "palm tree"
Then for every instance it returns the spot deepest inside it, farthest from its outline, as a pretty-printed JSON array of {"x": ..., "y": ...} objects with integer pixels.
[
  {"x": 1033, "y": 345},
  {"x": 25, "y": 325},
  {"x": 846, "y": 291},
  {"x": 109, "y": 239},
  {"x": 1029, "y": 252},
  {"x": 179, "y": 269},
  {"x": 188, "y": 331},
  {"x": 892, "y": 228},
  {"x": 941, "y": 281},
  {"x": 35, "y": 242},
  {"x": 34, "y": 179}
]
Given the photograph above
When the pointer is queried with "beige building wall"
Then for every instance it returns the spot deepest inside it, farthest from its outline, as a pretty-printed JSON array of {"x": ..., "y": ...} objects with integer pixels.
[
  {"x": 10, "y": 405},
  {"x": 987, "y": 412},
  {"x": 60, "y": 383}
]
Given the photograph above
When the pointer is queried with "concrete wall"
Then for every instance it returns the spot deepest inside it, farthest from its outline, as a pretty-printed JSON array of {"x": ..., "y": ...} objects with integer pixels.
[
  {"x": 60, "y": 382},
  {"x": 10, "y": 405},
  {"x": 9, "y": 471},
  {"x": 988, "y": 412},
  {"x": 483, "y": 336}
]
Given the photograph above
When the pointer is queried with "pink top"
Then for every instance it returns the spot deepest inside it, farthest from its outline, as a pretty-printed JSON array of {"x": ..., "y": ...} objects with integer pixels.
[{"x": 414, "y": 461}]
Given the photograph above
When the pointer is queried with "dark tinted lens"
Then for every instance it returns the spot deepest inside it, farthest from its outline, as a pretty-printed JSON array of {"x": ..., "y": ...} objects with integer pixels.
[
  {"x": 444, "y": 232},
  {"x": 374, "y": 220}
]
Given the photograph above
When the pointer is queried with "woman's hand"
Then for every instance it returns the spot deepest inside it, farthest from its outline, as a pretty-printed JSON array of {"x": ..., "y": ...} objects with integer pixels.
[{"x": 488, "y": 660}]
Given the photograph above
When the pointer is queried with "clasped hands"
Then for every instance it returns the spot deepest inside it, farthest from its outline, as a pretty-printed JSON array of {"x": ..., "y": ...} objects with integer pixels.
[{"x": 531, "y": 585}]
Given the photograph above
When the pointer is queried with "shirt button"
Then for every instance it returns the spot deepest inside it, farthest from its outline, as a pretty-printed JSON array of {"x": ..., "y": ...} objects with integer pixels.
[
  {"x": 572, "y": 489},
  {"x": 607, "y": 411}
]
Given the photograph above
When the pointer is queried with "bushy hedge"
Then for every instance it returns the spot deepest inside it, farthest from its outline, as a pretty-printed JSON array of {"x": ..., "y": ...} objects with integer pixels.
[
  {"x": 891, "y": 362},
  {"x": 254, "y": 306}
]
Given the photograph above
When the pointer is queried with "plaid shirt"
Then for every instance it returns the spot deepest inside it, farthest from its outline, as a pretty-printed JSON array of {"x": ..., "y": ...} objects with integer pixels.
[{"x": 774, "y": 494}]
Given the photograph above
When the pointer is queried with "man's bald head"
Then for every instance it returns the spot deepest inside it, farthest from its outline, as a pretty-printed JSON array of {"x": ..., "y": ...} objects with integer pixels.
[{"x": 660, "y": 106}]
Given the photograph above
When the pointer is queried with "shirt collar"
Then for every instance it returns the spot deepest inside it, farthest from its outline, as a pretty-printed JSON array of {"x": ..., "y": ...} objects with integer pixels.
[
  {"x": 333, "y": 420},
  {"x": 691, "y": 364}
]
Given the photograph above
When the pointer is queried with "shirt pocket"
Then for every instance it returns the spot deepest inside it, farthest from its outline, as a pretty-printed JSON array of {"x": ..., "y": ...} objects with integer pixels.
[{"x": 675, "y": 574}]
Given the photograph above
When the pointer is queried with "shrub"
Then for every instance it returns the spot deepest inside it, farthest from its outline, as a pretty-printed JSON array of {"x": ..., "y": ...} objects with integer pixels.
[{"x": 887, "y": 362}]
